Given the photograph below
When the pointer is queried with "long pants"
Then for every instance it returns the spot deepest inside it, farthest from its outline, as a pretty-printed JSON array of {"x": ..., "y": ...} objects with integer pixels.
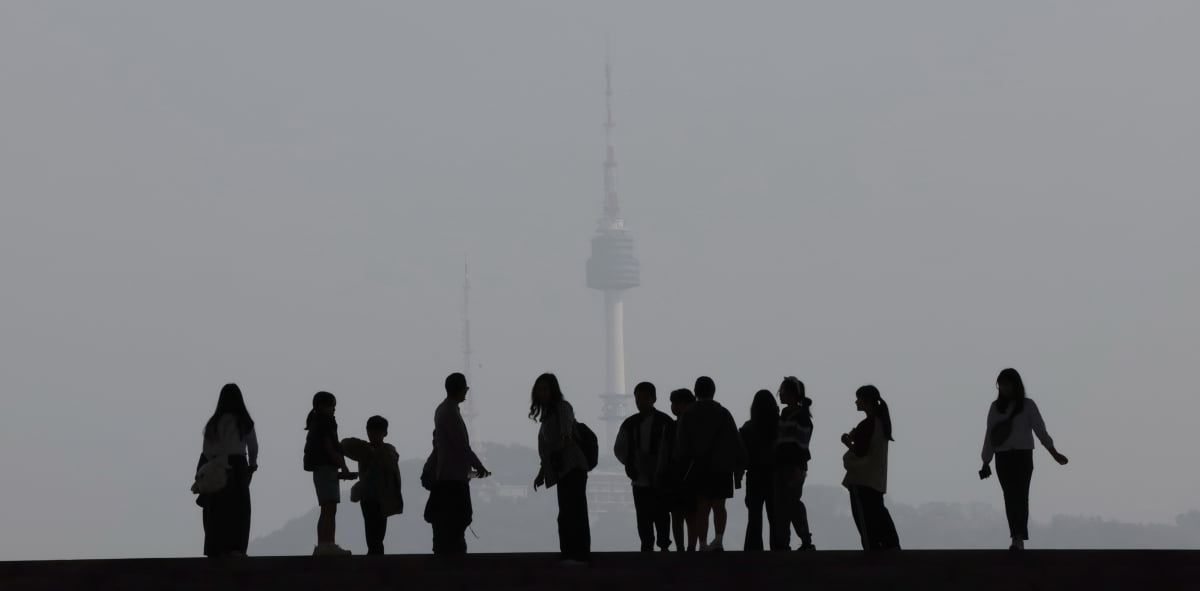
[
  {"x": 1014, "y": 468},
  {"x": 227, "y": 512},
  {"x": 374, "y": 525},
  {"x": 790, "y": 511},
  {"x": 759, "y": 495},
  {"x": 574, "y": 533},
  {"x": 874, "y": 522},
  {"x": 652, "y": 516},
  {"x": 449, "y": 512}
]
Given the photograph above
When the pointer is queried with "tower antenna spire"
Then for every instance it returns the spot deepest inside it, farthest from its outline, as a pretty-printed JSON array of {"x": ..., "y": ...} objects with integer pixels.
[
  {"x": 612, "y": 204},
  {"x": 468, "y": 406}
]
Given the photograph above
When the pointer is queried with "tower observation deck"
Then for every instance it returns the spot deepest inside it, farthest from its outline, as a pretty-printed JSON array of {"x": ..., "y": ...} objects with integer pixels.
[{"x": 612, "y": 269}]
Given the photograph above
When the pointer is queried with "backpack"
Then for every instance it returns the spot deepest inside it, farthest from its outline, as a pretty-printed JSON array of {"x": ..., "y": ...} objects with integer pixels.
[{"x": 586, "y": 439}]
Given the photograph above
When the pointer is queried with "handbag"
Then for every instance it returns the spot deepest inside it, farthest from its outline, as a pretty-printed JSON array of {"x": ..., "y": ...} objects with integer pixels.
[{"x": 212, "y": 476}]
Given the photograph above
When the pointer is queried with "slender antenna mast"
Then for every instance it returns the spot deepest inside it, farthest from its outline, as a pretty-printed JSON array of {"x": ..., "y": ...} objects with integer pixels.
[
  {"x": 469, "y": 406},
  {"x": 612, "y": 205}
]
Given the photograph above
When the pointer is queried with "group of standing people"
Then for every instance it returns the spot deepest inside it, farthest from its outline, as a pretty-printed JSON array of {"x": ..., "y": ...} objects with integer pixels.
[{"x": 683, "y": 467}]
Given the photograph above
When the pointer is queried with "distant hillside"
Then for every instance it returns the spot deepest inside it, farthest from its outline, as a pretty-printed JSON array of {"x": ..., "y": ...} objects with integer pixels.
[{"x": 510, "y": 517}]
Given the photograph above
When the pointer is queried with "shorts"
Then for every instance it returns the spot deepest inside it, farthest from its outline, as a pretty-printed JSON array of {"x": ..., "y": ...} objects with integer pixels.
[
  {"x": 715, "y": 485},
  {"x": 327, "y": 484}
]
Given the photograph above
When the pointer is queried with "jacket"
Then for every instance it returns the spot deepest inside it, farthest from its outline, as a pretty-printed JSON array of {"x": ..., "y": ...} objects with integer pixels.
[{"x": 378, "y": 474}]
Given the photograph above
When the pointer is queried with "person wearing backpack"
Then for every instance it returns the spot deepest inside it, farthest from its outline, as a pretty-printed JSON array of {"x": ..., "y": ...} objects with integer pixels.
[
  {"x": 229, "y": 439},
  {"x": 707, "y": 442},
  {"x": 758, "y": 436},
  {"x": 1012, "y": 422},
  {"x": 791, "y": 466},
  {"x": 378, "y": 489},
  {"x": 563, "y": 464},
  {"x": 638, "y": 446}
]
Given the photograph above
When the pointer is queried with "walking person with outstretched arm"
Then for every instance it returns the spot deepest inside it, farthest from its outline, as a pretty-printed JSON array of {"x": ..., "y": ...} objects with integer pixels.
[
  {"x": 1012, "y": 422},
  {"x": 563, "y": 464},
  {"x": 229, "y": 439},
  {"x": 449, "y": 507},
  {"x": 866, "y": 463},
  {"x": 638, "y": 445},
  {"x": 791, "y": 466}
]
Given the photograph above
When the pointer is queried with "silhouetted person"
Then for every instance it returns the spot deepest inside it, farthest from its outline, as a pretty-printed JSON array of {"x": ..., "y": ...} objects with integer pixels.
[
  {"x": 323, "y": 457},
  {"x": 638, "y": 446},
  {"x": 791, "y": 466},
  {"x": 707, "y": 440},
  {"x": 563, "y": 464},
  {"x": 378, "y": 488},
  {"x": 1012, "y": 422},
  {"x": 228, "y": 437},
  {"x": 758, "y": 436},
  {"x": 449, "y": 508},
  {"x": 866, "y": 471},
  {"x": 680, "y": 500}
]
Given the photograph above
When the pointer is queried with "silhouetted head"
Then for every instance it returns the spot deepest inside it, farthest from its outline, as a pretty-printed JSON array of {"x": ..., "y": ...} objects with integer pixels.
[
  {"x": 868, "y": 400},
  {"x": 681, "y": 399},
  {"x": 1010, "y": 389},
  {"x": 229, "y": 401},
  {"x": 456, "y": 386},
  {"x": 706, "y": 388},
  {"x": 764, "y": 411},
  {"x": 545, "y": 397},
  {"x": 377, "y": 429},
  {"x": 324, "y": 403},
  {"x": 791, "y": 392},
  {"x": 644, "y": 396}
]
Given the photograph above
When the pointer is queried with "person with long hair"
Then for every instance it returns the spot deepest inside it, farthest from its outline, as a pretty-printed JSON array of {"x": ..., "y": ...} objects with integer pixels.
[
  {"x": 758, "y": 436},
  {"x": 679, "y": 499},
  {"x": 791, "y": 466},
  {"x": 229, "y": 438},
  {"x": 866, "y": 461},
  {"x": 563, "y": 464},
  {"x": 1012, "y": 421}
]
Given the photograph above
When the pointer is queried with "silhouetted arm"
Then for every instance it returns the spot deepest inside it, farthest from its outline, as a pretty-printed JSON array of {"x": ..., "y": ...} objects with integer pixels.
[
  {"x": 861, "y": 436},
  {"x": 252, "y": 449},
  {"x": 621, "y": 445},
  {"x": 1039, "y": 429},
  {"x": 988, "y": 450}
]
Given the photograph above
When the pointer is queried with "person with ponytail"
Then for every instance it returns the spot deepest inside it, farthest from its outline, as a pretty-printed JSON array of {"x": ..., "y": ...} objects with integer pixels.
[
  {"x": 1012, "y": 422},
  {"x": 865, "y": 461},
  {"x": 791, "y": 466},
  {"x": 229, "y": 439}
]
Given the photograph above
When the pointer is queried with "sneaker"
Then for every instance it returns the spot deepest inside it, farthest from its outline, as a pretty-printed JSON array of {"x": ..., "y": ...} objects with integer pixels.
[
  {"x": 716, "y": 546},
  {"x": 330, "y": 549},
  {"x": 1017, "y": 545},
  {"x": 806, "y": 547}
]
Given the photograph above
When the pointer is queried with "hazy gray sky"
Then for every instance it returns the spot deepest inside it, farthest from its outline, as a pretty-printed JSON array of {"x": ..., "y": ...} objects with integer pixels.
[{"x": 282, "y": 194}]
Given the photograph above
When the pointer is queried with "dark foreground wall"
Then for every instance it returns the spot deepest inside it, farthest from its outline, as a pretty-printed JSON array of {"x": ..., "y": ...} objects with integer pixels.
[{"x": 731, "y": 571}]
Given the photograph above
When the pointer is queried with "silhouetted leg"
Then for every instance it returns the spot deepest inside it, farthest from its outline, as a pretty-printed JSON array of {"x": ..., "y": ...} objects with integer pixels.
[
  {"x": 450, "y": 513},
  {"x": 781, "y": 535},
  {"x": 1014, "y": 469},
  {"x": 643, "y": 506},
  {"x": 662, "y": 521},
  {"x": 755, "y": 499},
  {"x": 374, "y": 526},
  {"x": 239, "y": 505},
  {"x": 574, "y": 534},
  {"x": 857, "y": 510},
  {"x": 799, "y": 512}
]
